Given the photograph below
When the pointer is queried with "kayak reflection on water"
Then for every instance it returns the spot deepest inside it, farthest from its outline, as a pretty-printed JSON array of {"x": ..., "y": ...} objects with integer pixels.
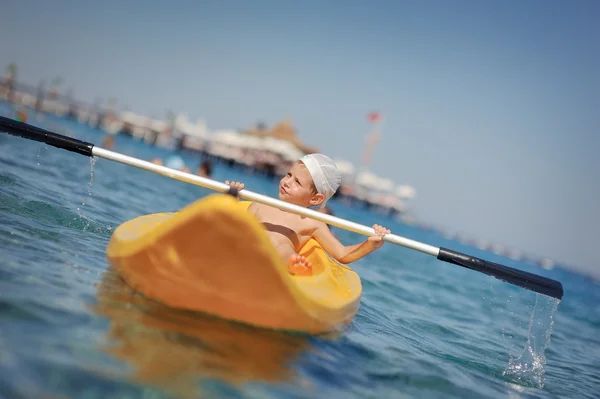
[{"x": 174, "y": 349}]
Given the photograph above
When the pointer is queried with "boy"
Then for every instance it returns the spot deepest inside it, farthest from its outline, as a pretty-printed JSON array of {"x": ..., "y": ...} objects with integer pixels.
[{"x": 310, "y": 182}]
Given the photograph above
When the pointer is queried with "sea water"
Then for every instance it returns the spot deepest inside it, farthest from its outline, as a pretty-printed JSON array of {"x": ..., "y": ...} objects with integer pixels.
[{"x": 70, "y": 327}]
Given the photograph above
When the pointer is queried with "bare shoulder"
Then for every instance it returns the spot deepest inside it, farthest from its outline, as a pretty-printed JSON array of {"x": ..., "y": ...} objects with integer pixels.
[{"x": 314, "y": 225}]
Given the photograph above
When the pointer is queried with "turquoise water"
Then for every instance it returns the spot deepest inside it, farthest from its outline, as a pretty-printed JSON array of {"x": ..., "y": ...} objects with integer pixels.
[{"x": 69, "y": 327}]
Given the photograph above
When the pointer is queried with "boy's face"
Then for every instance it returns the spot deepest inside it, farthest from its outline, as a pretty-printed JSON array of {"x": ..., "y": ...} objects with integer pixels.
[{"x": 297, "y": 187}]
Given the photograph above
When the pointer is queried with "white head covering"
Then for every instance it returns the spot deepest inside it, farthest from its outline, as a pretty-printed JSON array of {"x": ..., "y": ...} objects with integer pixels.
[{"x": 325, "y": 174}]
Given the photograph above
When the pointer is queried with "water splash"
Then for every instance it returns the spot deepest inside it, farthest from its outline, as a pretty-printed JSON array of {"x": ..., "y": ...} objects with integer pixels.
[
  {"x": 79, "y": 211},
  {"x": 92, "y": 163},
  {"x": 529, "y": 367}
]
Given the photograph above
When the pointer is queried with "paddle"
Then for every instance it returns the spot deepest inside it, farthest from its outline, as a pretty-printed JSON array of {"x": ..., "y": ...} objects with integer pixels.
[{"x": 517, "y": 277}]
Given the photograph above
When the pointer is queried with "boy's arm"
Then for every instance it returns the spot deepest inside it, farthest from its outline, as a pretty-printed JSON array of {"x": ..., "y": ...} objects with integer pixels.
[{"x": 350, "y": 253}]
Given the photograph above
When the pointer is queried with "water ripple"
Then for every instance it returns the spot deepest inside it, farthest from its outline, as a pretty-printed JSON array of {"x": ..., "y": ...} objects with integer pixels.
[{"x": 69, "y": 327}]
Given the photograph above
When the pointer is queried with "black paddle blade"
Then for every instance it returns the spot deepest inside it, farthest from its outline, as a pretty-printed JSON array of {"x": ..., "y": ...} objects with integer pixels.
[
  {"x": 529, "y": 281},
  {"x": 24, "y": 130}
]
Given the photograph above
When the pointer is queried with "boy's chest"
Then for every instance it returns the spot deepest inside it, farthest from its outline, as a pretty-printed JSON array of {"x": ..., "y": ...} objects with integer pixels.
[
  {"x": 287, "y": 224},
  {"x": 289, "y": 220}
]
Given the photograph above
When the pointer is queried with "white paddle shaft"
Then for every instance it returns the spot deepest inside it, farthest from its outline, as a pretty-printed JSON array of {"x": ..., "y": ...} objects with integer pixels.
[{"x": 263, "y": 199}]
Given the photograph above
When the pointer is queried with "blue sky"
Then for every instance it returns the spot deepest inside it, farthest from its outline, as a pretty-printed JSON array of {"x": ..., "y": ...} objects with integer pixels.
[{"x": 492, "y": 108}]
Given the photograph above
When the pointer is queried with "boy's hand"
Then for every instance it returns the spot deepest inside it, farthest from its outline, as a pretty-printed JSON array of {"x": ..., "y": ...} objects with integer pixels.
[
  {"x": 234, "y": 184},
  {"x": 378, "y": 239}
]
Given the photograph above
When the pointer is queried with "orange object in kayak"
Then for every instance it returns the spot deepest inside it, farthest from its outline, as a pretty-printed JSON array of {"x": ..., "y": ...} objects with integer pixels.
[{"x": 215, "y": 257}]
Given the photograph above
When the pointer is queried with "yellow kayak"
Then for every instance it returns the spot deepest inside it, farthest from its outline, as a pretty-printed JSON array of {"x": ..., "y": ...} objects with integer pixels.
[{"x": 215, "y": 257}]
